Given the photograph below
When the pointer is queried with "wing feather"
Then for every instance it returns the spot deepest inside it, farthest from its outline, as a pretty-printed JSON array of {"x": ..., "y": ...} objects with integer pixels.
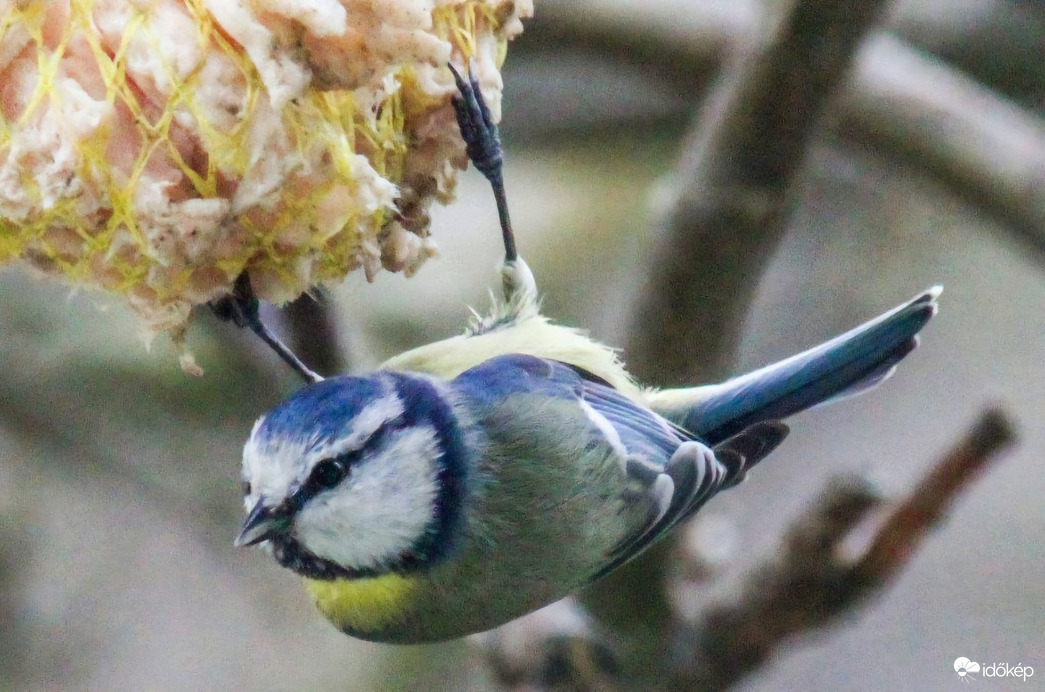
[{"x": 663, "y": 467}]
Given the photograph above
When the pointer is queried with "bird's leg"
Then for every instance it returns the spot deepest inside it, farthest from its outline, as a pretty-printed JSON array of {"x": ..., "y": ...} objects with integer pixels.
[
  {"x": 483, "y": 145},
  {"x": 242, "y": 309}
]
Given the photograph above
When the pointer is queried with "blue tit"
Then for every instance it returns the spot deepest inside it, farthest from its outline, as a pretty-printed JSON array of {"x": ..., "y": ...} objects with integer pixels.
[{"x": 473, "y": 480}]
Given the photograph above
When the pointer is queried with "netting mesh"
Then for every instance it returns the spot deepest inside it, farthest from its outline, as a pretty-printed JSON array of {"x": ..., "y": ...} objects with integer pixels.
[{"x": 157, "y": 149}]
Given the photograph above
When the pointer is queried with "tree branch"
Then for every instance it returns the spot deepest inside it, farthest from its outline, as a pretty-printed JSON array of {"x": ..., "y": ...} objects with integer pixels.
[
  {"x": 986, "y": 149},
  {"x": 901, "y": 102},
  {"x": 731, "y": 190},
  {"x": 811, "y": 584},
  {"x": 924, "y": 509},
  {"x": 726, "y": 218}
]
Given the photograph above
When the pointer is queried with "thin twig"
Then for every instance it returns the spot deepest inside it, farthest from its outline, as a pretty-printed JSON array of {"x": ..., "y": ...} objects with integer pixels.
[
  {"x": 910, "y": 522},
  {"x": 811, "y": 584}
]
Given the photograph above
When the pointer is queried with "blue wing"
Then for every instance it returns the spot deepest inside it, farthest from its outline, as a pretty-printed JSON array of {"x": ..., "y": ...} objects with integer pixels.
[
  {"x": 669, "y": 470},
  {"x": 640, "y": 430}
]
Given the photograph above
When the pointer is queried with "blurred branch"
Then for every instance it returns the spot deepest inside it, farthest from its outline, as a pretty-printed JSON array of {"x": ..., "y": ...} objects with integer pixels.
[
  {"x": 900, "y": 102},
  {"x": 314, "y": 336},
  {"x": 557, "y": 647},
  {"x": 636, "y": 34},
  {"x": 909, "y": 522},
  {"x": 811, "y": 585},
  {"x": 985, "y": 148},
  {"x": 997, "y": 42},
  {"x": 730, "y": 193},
  {"x": 730, "y": 189}
]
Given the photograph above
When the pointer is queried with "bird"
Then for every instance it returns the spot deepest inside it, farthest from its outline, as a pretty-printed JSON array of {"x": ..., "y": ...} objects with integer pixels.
[{"x": 473, "y": 480}]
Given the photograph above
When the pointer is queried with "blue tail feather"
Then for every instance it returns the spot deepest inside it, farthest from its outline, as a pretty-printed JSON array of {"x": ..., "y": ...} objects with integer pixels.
[{"x": 848, "y": 364}]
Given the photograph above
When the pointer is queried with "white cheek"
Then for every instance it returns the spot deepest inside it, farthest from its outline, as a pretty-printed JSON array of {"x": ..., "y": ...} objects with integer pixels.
[{"x": 386, "y": 505}]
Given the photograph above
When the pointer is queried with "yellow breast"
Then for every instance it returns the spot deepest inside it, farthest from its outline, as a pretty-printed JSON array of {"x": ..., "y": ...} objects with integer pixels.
[{"x": 364, "y": 605}]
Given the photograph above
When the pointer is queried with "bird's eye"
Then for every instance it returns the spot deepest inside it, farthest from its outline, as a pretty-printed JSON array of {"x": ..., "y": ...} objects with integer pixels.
[
  {"x": 327, "y": 473},
  {"x": 246, "y": 488}
]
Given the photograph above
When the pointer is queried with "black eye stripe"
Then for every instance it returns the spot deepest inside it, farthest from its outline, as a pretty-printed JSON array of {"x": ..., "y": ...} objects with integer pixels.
[{"x": 329, "y": 472}]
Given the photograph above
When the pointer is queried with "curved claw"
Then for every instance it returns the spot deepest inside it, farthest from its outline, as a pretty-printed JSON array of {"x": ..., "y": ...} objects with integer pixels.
[
  {"x": 483, "y": 146},
  {"x": 481, "y": 138}
]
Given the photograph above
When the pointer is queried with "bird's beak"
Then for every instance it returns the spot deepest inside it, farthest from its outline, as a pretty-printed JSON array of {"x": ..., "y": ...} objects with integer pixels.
[{"x": 261, "y": 525}]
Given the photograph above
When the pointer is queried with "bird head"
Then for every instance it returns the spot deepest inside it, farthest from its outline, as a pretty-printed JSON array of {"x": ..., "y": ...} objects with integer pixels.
[{"x": 355, "y": 476}]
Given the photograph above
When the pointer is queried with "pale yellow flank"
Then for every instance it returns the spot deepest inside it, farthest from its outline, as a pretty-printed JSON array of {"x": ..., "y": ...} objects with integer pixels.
[{"x": 535, "y": 336}]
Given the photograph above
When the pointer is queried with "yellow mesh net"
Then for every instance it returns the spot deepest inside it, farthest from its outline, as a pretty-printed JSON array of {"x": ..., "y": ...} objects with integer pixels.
[{"x": 158, "y": 148}]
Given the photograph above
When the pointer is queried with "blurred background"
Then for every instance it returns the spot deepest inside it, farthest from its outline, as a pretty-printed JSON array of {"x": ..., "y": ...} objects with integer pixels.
[{"x": 119, "y": 491}]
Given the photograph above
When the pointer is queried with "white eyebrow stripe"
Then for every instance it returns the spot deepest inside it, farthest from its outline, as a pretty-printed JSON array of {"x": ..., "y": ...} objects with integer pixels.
[
  {"x": 364, "y": 425},
  {"x": 276, "y": 467}
]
